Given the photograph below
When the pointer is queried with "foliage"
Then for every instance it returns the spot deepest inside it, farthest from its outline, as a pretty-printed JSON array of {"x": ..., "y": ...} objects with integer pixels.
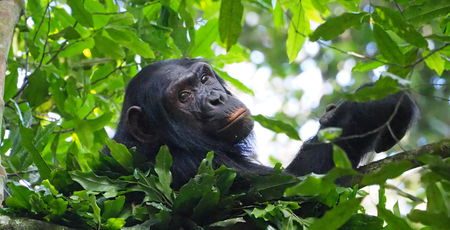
[{"x": 71, "y": 60}]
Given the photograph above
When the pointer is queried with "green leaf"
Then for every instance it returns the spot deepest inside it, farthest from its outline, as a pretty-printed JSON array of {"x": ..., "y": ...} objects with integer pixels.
[
  {"x": 163, "y": 163},
  {"x": 312, "y": 185},
  {"x": 393, "y": 221},
  {"x": 20, "y": 197},
  {"x": 435, "y": 220},
  {"x": 389, "y": 171},
  {"x": 340, "y": 158},
  {"x": 434, "y": 61},
  {"x": 362, "y": 221},
  {"x": 272, "y": 186},
  {"x": 36, "y": 91},
  {"x": 207, "y": 204},
  {"x": 128, "y": 38},
  {"x": 121, "y": 154},
  {"x": 92, "y": 182},
  {"x": 205, "y": 36},
  {"x": 227, "y": 222},
  {"x": 424, "y": 11},
  {"x": 112, "y": 208},
  {"x": 387, "y": 47},
  {"x": 384, "y": 87},
  {"x": 336, "y": 25},
  {"x": 277, "y": 126},
  {"x": 329, "y": 134},
  {"x": 80, "y": 13},
  {"x": 57, "y": 208},
  {"x": 235, "y": 82},
  {"x": 297, "y": 32},
  {"x": 99, "y": 122},
  {"x": 352, "y": 5},
  {"x": 123, "y": 19},
  {"x": 364, "y": 67},
  {"x": 104, "y": 44},
  {"x": 436, "y": 201},
  {"x": 77, "y": 47},
  {"x": 115, "y": 223},
  {"x": 27, "y": 141},
  {"x": 230, "y": 18},
  {"x": 337, "y": 216},
  {"x": 392, "y": 20}
]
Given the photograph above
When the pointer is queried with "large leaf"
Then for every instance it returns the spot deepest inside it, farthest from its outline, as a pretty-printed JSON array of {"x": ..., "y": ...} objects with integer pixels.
[
  {"x": 362, "y": 221},
  {"x": 297, "y": 32},
  {"x": 393, "y": 221},
  {"x": 426, "y": 11},
  {"x": 277, "y": 126},
  {"x": 80, "y": 13},
  {"x": 434, "y": 61},
  {"x": 387, "y": 47},
  {"x": 235, "y": 82},
  {"x": 163, "y": 164},
  {"x": 121, "y": 154},
  {"x": 128, "y": 38},
  {"x": 94, "y": 183},
  {"x": 337, "y": 216},
  {"x": 205, "y": 36},
  {"x": 230, "y": 25},
  {"x": 27, "y": 141},
  {"x": 436, "y": 220},
  {"x": 36, "y": 91},
  {"x": 392, "y": 20},
  {"x": 382, "y": 88},
  {"x": 336, "y": 25}
]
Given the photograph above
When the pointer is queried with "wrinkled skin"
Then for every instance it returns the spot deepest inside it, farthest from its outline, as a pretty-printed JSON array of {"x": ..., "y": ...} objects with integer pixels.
[{"x": 185, "y": 105}]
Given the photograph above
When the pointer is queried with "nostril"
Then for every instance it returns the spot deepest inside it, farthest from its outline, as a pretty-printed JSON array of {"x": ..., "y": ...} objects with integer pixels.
[{"x": 215, "y": 101}]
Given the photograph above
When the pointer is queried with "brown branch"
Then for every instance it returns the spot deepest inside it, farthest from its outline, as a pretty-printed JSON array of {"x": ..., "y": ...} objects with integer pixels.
[
  {"x": 440, "y": 148},
  {"x": 9, "y": 15}
]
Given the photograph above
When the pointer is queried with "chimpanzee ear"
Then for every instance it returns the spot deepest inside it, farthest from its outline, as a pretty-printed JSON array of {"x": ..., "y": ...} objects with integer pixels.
[{"x": 137, "y": 126}]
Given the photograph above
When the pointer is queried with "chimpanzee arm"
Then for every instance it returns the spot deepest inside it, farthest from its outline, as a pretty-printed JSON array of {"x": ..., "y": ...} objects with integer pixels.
[{"x": 370, "y": 126}]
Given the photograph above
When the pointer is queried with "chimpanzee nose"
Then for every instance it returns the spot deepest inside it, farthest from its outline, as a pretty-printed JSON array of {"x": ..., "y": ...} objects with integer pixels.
[{"x": 216, "y": 98}]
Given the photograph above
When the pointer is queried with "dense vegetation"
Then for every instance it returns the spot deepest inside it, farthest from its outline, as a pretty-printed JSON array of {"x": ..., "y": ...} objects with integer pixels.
[{"x": 70, "y": 61}]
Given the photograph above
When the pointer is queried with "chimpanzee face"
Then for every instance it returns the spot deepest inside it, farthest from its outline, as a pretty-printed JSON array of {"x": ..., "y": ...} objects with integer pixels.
[{"x": 197, "y": 98}]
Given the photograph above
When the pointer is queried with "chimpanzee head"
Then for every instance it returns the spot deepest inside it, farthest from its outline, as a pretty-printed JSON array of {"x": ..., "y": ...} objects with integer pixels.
[{"x": 184, "y": 104}]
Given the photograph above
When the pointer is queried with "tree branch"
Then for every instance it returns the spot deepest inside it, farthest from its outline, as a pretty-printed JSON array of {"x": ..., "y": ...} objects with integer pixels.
[
  {"x": 440, "y": 148},
  {"x": 9, "y": 15}
]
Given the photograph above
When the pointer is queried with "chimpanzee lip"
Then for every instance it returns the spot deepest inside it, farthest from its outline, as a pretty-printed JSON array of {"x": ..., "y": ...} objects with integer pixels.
[{"x": 234, "y": 117}]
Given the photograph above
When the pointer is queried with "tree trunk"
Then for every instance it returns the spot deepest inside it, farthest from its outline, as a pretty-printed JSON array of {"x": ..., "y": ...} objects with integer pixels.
[{"x": 9, "y": 15}]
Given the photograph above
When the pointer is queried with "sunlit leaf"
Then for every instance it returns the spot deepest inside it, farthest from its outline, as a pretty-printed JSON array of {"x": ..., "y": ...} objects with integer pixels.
[
  {"x": 80, "y": 13},
  {"x": 277, "y": 126},
  {"x": 297, "y": 32},
  {"x": 393, "y": 20},
  {"x": 387, "y": 47},
  {"x": 340, "y": 158},
  {"x": 434, "y": 61},
  {"x": 230, "y": 25},
  {"x": 121, "y": 154}
]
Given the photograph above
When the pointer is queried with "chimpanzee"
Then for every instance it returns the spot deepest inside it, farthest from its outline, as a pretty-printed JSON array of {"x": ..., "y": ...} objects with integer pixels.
[{"x": 184, "y": 104}]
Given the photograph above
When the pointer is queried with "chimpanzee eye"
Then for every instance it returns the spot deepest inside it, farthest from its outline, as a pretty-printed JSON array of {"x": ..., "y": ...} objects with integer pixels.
[
  {"x": 204, "y": 78},
  {"x": 183, "y": 95}
]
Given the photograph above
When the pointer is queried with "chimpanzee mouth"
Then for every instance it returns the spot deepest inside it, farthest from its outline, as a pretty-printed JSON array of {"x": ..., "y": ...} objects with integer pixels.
[{"x": 235, "y": 116}]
